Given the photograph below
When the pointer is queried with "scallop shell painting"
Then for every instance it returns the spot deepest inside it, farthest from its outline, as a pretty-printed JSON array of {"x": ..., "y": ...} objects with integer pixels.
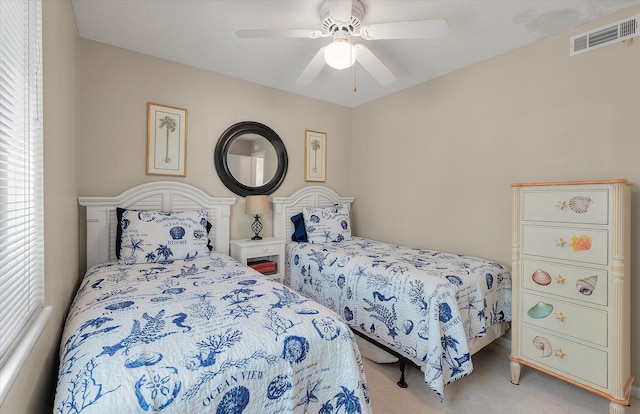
[
  {"x": 580, "y": 204},
  {"x": 587, "y": 285},
  {"x": 540, "y": 310},
  {"x": 541, "y": 277},
  {"x": 543, "y": 344}
]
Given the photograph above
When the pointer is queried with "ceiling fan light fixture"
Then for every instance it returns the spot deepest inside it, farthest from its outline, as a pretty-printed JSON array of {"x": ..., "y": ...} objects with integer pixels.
[{"x": 340, "y": 54}]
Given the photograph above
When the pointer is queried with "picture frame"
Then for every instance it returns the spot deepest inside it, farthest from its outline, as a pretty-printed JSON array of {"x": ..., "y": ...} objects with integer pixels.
[
  {"x": 315, "y": 156},
  {"x": 166, "y": 140}
]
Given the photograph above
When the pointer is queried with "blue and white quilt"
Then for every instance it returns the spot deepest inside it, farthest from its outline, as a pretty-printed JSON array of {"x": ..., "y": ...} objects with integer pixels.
[
  {"x": 205, "y": 335},
  {"x": 424, "y": 304}
]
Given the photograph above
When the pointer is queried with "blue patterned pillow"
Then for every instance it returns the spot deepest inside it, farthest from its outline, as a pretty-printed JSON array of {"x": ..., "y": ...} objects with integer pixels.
[
  {"x": 157, "y": 236},
  {"x": 120, "y": 211},
  {"x": 328, "y": 224}
]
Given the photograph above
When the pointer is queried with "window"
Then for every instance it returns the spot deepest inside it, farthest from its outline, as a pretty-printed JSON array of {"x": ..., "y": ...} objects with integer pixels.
[{"x": 22, "y": 316}]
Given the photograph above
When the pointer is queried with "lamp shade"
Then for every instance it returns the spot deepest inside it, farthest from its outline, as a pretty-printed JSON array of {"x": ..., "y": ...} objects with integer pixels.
[
  {"x": 340, "y": 54},
  {"x": 257, "y": 204}
]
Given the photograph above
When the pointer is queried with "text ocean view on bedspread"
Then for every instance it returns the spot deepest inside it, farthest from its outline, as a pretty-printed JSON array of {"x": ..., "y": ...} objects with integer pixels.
[
  {"x": 424, "y": 304},
  {"x": 203, "y": 335}
]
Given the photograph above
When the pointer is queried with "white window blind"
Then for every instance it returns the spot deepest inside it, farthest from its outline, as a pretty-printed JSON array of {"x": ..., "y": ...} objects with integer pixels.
[{"x": 21, "y": 192}]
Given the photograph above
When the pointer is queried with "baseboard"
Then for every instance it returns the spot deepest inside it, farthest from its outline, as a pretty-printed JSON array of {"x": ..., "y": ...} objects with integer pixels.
[
  {"x": 503, "y": 342},
  {"x": 506, "y": 343}
]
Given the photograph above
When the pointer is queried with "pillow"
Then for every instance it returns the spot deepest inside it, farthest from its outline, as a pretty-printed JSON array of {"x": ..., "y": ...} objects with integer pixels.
[
  {"x": 328, "y": 224},
  {"x": 299, "y": 233},
  {"x": 157, "y": 236},
  {"x": 120, "y": 210}
]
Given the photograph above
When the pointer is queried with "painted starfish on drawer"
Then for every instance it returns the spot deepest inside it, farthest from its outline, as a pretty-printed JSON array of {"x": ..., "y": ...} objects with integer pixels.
[
  {"x": 560, "y": 242},
  {"x": 560, "y": 280},
  {"x": 559, "y": 352},
  {"x": 561, "y": 205},
  {"x": 560, "y": 316}
]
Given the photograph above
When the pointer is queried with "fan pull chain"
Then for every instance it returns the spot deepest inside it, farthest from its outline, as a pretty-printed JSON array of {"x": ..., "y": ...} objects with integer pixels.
[
  {"x": 355, "y": 80},
  {"x": 355, "y": 87}
]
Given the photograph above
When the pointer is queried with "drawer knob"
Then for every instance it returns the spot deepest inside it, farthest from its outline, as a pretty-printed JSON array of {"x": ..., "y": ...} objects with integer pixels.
[
  {"x": 560, "y": 316},
  {"x": 560, "y": 280},
  {"x": 264, "y": 249},
  {"x": 561, "y": 205},
  {"x": 559, "y": 353}
]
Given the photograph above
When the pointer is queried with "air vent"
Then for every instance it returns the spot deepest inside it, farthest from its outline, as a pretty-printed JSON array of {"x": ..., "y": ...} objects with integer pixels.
[{"x": 606, "y": 35}]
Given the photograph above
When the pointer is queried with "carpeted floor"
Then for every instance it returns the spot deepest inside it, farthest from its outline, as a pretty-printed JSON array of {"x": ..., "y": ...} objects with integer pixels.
[{"x": 488, "y": 390}]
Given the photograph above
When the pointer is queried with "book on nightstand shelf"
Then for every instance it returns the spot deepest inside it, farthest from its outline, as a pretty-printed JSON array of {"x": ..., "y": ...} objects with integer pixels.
[{"x": 263, "y": 266}]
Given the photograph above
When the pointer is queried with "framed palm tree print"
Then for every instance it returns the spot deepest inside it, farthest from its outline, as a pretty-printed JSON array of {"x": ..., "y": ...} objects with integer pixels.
[
  {"x": 166, "y": 140},
  {"x": 315, "y": 156}
]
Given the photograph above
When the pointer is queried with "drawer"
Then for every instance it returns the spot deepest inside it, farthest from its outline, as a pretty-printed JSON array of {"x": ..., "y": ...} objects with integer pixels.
[
  {"x": 581, "y": 322},
  {"x": 589, "y": 206},
  {"x": 568, "y": 243},
  {"x": 259, "y": 250},
  {"x": 576, "y": 282},
  {"x": 580, "y": 361}
]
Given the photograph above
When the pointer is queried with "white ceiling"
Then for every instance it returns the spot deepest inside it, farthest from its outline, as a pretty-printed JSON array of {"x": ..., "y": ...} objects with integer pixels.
[{"x": 201, "y": 33}]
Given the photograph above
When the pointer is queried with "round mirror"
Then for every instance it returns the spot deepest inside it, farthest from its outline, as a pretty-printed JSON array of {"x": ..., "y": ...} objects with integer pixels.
[{"x": 250, "y": 159}]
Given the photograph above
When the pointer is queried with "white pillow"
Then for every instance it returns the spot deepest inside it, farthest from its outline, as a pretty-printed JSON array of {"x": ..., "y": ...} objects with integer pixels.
[
  {"x": 328, "y": 224},
  {"x": 157, "y": 236}
]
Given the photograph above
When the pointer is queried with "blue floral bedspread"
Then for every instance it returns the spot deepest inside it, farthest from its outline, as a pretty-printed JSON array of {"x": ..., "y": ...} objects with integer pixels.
[
  {"x": 206, "y": 335},
  {"x": 424, "y": 304}
]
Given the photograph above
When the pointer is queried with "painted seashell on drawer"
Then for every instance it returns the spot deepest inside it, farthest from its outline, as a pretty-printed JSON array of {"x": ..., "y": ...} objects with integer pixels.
[
  {"x": 581, "y": 243},
  {"x": 540, "y": 310},
  {"x": 580, "y": 204},
  {"x": 541, "y": 277},
  {"x": 587, "y": 285},
  {"x": 543, "y": 344}
]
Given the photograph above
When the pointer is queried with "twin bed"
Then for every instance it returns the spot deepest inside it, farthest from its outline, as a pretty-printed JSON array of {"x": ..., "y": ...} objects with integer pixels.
[
  {"x": 431, "y": 308},
  {"x": 175, "y": 328},
  {"x": 152, "y": 331}
]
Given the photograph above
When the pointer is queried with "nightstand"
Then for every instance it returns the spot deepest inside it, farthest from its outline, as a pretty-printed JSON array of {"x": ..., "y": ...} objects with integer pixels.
[{"x": 268, "y": 249}]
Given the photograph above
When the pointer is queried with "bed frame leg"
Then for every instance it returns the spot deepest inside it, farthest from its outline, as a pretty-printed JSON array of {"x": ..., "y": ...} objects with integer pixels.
[{"x": 402, "y": 383}]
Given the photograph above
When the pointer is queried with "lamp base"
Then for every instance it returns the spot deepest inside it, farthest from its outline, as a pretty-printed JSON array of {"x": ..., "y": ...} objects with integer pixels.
[{"x": 256, "y": 227}]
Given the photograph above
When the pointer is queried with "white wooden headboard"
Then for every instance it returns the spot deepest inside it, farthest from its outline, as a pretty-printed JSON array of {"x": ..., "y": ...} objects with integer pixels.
[
  {"x": 158, "y": 195},
  {"x": 286, "y": 207}
]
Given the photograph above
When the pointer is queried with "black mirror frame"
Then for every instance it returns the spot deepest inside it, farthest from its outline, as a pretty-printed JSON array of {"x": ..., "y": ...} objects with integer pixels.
[{"x": 222, "y": 167}]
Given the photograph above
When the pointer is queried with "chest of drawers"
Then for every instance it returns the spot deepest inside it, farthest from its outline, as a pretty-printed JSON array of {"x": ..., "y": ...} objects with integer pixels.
[{"x": 571, "y": 276}]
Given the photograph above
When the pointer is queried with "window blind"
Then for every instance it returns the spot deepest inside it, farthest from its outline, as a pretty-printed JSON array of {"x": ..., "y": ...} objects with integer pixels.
[{"x": 21, "y": 179}]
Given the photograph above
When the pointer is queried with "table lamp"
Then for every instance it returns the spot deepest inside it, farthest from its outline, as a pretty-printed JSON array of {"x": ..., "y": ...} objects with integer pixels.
[{"x": 256, "y": 205}]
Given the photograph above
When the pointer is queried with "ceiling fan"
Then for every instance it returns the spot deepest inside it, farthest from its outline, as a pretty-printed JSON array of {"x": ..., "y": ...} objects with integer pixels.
[{"x": 341, "y": 19}]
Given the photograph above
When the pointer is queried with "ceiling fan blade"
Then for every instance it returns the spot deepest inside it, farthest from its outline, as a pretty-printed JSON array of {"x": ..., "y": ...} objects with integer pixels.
[
  {"x": 306, "y": 33},
  {"x": 374, "y": 66},
  {"x": 313, "y": 68},
  {"x": 418, "y": 29},
  {"x": 340, "y": 10}
]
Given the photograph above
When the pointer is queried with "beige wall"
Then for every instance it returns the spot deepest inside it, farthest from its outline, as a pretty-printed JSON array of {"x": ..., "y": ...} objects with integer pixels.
[
  {"x": 33, "y": 390},
  {"x": 115, "y": 86},
  {"x": 441, "y": 156}
]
